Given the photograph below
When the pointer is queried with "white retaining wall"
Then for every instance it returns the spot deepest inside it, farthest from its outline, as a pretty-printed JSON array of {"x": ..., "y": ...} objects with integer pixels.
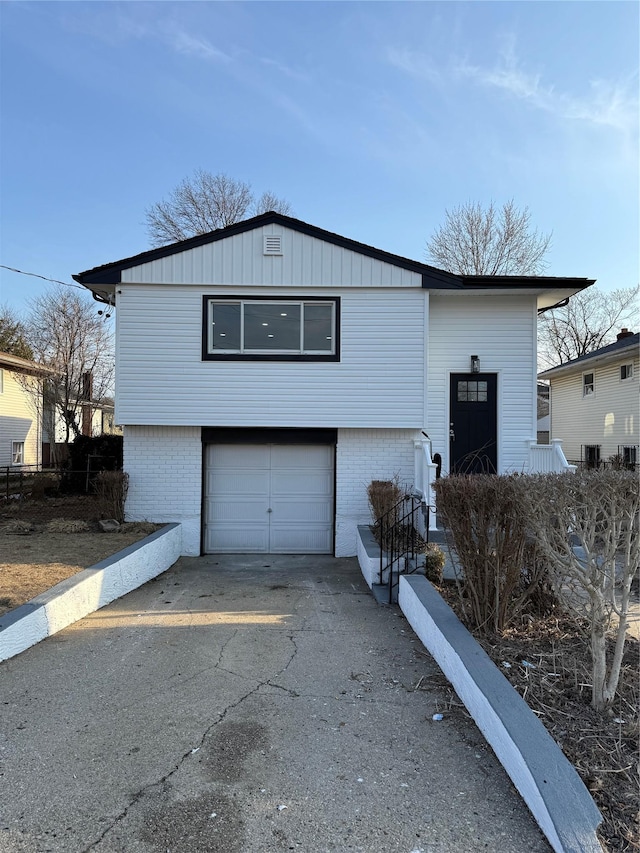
[
  {"x": 547, "y": 782},
  {"x": 88, "y": 590}
]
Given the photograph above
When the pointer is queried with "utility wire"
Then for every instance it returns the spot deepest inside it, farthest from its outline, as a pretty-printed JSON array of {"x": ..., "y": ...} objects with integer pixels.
[{"x": 43, "y": 277}]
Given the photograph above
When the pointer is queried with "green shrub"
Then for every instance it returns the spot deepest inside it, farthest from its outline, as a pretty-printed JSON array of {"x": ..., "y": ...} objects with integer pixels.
[
  {"x": 434, "y": 561},
  {"x": 106, "y": 455}
]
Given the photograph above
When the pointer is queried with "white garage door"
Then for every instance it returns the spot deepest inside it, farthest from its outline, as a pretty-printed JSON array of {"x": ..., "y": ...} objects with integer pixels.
[{"x": 269, "y": 499}]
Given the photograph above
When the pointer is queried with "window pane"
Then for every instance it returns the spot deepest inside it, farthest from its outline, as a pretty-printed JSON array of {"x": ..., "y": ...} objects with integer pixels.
[
  {"x": 274, "y": 326},
  {"x": 318, "y": 327},
  {"x": 225, "y": 326},
  {"x": 462, "y": 392}
]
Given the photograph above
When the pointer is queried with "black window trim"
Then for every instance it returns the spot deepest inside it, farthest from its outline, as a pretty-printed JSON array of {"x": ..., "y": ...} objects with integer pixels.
[{"x": 290, "y": 357}]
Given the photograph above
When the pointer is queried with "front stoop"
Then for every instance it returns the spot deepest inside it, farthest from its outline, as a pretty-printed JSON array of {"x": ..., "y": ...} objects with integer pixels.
[{"x": 546, "y": 780}]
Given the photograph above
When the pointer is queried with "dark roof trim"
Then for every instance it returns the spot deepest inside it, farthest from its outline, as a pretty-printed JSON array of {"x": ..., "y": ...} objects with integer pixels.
[
  {"x": 629, "y": 342},
  {"x": 111, "y": 273},
  {"x": 545, "y": 281},
  {"x": 432, "y": 277}
]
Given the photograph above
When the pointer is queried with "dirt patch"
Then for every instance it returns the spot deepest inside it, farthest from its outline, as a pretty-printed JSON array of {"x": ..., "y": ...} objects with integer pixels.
[
  {"x": 41, "y": 556},
  {"x": 547, "y": 661}
]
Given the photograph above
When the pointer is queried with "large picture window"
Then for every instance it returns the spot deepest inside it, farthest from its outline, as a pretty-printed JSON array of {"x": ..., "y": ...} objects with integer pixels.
[{"x": 270, "y": 328}]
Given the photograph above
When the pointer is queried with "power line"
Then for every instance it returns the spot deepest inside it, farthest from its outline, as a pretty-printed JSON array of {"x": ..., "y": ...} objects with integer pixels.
[{"x": 43, "y": 277}]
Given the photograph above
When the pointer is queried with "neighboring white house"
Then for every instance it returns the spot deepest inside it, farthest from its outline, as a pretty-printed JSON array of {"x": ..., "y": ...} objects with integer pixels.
[
  {"x": 268, "y": 371},
  {"x": 20, "y": 411},
  {"x": 594, "y": 403}
]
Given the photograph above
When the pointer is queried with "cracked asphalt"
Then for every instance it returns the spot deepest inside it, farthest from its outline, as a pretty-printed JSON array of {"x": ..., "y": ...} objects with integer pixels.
[{"x": 246, "y": 705}]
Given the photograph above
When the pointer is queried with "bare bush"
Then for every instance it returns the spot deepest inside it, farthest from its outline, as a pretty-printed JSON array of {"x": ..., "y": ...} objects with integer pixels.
[
  {"x": 586, "y": 525},
  {"x": 502, "y": 569},
  {"x": 383, "y": 495},
  {"x": 111, "y": 488}
]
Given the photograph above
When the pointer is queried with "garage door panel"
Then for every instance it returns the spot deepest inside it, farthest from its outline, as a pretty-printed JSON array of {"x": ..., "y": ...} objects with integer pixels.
[
  {"x": 300, "y": 511},
  {"x": 301, "y": 456},
  {"x": 306, "y": 540},
  {"x": 302, "y": 483},
  {"x": 238, "y": 511},
  {"x": 236, "y": 539},
  {"x": 238, "y": 456},
  {"x": 229, "y": 482}
]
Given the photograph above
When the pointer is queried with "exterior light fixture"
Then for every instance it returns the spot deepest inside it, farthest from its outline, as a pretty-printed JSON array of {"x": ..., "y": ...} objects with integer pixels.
[{"x": 475, "y": 364}]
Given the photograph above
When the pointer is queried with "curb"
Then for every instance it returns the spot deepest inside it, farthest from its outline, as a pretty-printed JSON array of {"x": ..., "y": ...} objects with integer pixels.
[
  {"x": 545, "y": 779},
  {"x": 88, "y": 590}
]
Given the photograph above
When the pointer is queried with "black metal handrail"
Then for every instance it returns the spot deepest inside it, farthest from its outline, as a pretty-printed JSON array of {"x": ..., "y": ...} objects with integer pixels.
[{"x": 400, "y": 541}]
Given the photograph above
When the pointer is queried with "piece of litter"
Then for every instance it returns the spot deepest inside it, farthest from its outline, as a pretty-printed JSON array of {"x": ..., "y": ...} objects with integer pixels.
[
  {"x": 194, "y": 750},
  {"x": 618, "y": 720},
  {"x": 506, "y": 664},
  {"x": 403, "y": 785},
  {"x": 438, "y": 717},
  {"x": 360, "y": 779},
  {"x": 527, "y": 664},
  {"x": 263, "y": 790},
  {"x": 213, "y": 814},
  {"x": 281, "y": 808}
]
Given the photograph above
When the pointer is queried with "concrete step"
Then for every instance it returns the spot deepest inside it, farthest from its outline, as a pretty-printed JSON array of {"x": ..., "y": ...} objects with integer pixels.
[{"x": 381, "y": 594}]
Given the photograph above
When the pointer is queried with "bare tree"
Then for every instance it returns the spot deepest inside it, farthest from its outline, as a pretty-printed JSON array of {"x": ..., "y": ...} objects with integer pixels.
[
  {"x": 586, "y": 526},
  {"x": 13, "y": 334},
  {"x": 479, "y": 241},
  {"x": 66, "y": 333},
  {"x": 204, "y": 203},
  {"x": 590, "y": 320}
]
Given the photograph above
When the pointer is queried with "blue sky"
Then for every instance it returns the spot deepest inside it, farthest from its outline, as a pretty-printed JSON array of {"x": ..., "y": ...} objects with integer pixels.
[{"x": 370, "y": 118}]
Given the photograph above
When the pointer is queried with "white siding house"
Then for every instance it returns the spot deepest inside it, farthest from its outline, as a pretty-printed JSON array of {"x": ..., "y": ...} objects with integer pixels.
[
  {"x": 268, "y": 371},
  {"x": 595, "y": 407}
]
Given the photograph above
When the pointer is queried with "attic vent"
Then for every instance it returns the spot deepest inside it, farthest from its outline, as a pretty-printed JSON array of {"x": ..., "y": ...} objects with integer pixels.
[{"x": 273, "y": 244}]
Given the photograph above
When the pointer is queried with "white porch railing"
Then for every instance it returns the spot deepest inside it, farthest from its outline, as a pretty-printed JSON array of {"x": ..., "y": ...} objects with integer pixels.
[
  {"x": 547, "y": 458},
  {"x": 425, "y": 476}
]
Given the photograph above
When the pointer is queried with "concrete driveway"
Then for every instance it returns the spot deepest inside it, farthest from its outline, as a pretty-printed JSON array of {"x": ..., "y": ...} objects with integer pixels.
[{"x": 246, "y": 705}]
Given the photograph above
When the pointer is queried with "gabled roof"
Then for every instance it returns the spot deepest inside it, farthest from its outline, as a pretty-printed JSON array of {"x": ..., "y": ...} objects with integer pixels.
[
  {"x": 432, "y": 277},
  {"x": 611, "y": 352}
]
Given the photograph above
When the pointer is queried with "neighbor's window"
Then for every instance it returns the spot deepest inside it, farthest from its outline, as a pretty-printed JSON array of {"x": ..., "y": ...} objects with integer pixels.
[
  {"x": 626, "y": 371},
  {"x": 261, "y": 328},
  {"x": 587, "y": 384},
  {"x": 629, "y": 454},
  {"x": 17, "y": 452}
]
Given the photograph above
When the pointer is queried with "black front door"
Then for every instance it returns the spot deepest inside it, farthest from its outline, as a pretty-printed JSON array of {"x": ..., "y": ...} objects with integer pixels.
[{"x": 473, "y": 423}]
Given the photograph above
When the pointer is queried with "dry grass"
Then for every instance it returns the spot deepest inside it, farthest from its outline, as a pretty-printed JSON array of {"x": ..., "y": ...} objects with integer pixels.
[{"x": 45, "y": 542}]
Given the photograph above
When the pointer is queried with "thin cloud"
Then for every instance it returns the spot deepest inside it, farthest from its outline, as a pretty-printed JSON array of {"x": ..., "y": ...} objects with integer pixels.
[
  {"x": 608, "y": 104},
  {"x": 612, "y": 104},
  {"x": 200, "y": 48}
]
